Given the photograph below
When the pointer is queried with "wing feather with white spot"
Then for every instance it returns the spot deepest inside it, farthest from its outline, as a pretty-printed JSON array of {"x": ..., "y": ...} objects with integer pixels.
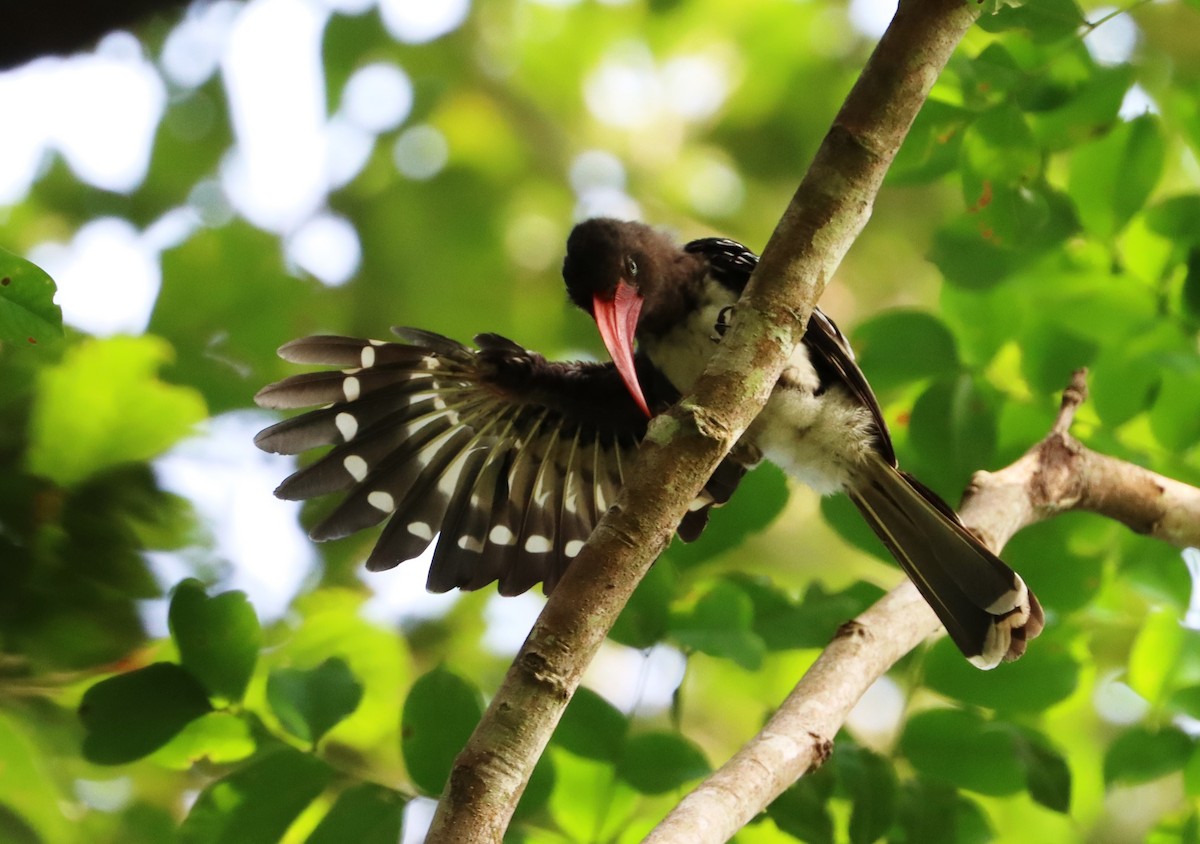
[{"x": 506, "y": 460}]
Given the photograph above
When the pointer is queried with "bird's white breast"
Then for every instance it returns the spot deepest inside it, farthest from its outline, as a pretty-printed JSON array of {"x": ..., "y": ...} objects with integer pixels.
[{"x": 818, "y": 439}]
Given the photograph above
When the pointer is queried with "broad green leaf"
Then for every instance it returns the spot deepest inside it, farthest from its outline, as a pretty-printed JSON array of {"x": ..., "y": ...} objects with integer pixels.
[
  {"x": 1112, "y": 177},
  {"x": 1046, "y": 771},
  {"x": 592, "y": 727},
  {"x": 658, "y": 762},
  {"x": 1044, "y": 676},
  {"x": 803, "y": 810},
  {"x": 309, "y": 703},
  {"x": 542, "y": 782},
  {"x": 899, "y": 347},
  {"x": 103, "y": 405},
  {"x": 132, "y": 715},
  {"x": 760, "y": 498},
  {"x": 959, "y": 747},
  {"x": 1175, "y": 415},
  {"x": 934, "y": 813},
  {"x": 932, "y": 147},
  {"x": 28, "y": 315},
  {"x": 366, "y": 813},
  {"x": 217, "y": 738},
  {"x": 871, "y": 783},
  {"x": 332, "y": 624},
  {"x": 1141, "y": 754},
  {"x": 257, "y": 802},
  {"x": 1046, "y": 20},
  {"x": 1083, "y": 103},
  {"x": 218, "y": 637},
  {"x": 720, "y": 625},
  {"x": 589, "y": 803},
  {"x": 1191, "y": 774},
  {"x": 953, "y": 430},
  {"x": 812, "y": 621},
  {"x": 440, "y": 713},
  {"x": 1191, "y": 284},
  {"x": 27, "y": 788},
  {"x": 644, "y": 620},
  {"x": 1177, "y": 218},
  {"x": 1154, "y": 657},
  {"x": 970, "y": 259}
]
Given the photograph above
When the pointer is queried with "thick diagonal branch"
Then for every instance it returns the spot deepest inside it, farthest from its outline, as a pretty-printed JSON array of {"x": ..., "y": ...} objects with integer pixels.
[
  {"x": 1056, "y": 475},
  {"x": 829, "y": 209}
]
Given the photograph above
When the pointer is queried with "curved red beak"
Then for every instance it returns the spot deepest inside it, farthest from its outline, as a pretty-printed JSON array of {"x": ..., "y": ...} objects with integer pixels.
[{"x": 617, "y": 320}]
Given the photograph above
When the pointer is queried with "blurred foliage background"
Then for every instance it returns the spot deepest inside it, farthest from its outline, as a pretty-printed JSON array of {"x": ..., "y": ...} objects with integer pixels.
[{"x": 227, "y": 178}]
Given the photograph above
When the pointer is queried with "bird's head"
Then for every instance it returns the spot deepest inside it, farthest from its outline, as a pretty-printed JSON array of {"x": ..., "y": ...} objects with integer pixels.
[{"x": 621, "y": 273}]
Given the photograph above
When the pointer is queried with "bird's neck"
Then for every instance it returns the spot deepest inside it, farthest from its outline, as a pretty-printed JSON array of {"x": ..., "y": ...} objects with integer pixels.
[{"x": 680, "y": 347}]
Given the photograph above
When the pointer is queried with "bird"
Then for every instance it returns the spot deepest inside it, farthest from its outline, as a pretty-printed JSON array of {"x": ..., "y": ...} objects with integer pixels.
[{"x": 505, "y": 461}]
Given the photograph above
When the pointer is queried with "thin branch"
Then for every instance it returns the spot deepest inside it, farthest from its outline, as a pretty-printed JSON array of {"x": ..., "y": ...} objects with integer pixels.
[
  {"x": 682, "y": 448},
  {"x": 1055, "y": 475}
]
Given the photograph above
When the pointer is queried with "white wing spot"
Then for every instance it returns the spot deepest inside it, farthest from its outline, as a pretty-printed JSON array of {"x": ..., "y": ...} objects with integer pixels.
[
  {"x": 537, "y": 544},
  {"x": 347, "y": 425},
  {"x": 357, "y": 467},
  {"x": 420, "y": 530},
  {"x": 573, "y": 548},
  {"x": 368, "y": 356},
  {"x": 382, "y": 501},
  {"x": 501, "y": 535},
  {"x": 351, "y": 388},
  {"x": 470, "y": 543}
]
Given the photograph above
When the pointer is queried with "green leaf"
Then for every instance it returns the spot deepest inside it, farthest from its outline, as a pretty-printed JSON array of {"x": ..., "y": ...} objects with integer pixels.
[
  {"x": 309, "y": 703},
  {"x": 27, "y": 788},
  {"x": 720, "y": 625},
  {"x": 257, "y": 802},
  {"x": 952, "y": 428},
  {"x": 760, "y": 498},
  {"x": 644, "y": 621},
  {"x": 899, "y": 347},
  {"x": 658, "y": 762},
  {"x": 970, "y": 259},
  {"x": 218, "y": 638},
  {"x": 132, "y": 715},
  {"x": 1046, "y": 20},
  {"x": 103, "y": 406},
  {"x": 592, "y": 727},
  {"x": 1191, "y": 284},
  {"x": 1043, "y": 677},
  {"x": 28, "y": 315},
  {"x": 1112, "y": 177},
  {"x": 934, "y": 813},
  {"x": 959, "y": 747},
  {"x": 803, "y": 810},
  {"x": 365, "y": 814},
  {"x": 1142, "y": 754},
  {"x": 1154, "y": 657},
  {"x": 440, "y": 713},
  {"x": 217, "y": 738},
  {"x": 932, "y": 147},
  {"x": 1177, "y": 218},
  {"x": 871, "y": 783},
  {"x": 784, "y": 624},
  {"x": 1046, "y": 771},
  {"x": 1175, "y": 415}
]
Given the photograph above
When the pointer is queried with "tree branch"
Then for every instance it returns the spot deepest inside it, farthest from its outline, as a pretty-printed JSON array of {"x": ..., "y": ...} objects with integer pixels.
[
  {"x": 683, "y": 447},
  {"x": 1056, "y": 475},
  {"x": 57, "y": 27}
]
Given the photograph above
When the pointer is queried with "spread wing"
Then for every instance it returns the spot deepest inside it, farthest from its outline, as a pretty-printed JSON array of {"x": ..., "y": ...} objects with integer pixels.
[
  {"x": 829, "y": 351},
  {"x": 503, "y": 458}
]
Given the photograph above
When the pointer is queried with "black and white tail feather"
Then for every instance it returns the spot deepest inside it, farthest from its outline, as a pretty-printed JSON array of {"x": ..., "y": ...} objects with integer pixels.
[{"x": 504, "y": 459}]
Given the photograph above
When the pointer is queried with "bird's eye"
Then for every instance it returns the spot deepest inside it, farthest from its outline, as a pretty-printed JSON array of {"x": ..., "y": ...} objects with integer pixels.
[{"x": 631, "y": 267}]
